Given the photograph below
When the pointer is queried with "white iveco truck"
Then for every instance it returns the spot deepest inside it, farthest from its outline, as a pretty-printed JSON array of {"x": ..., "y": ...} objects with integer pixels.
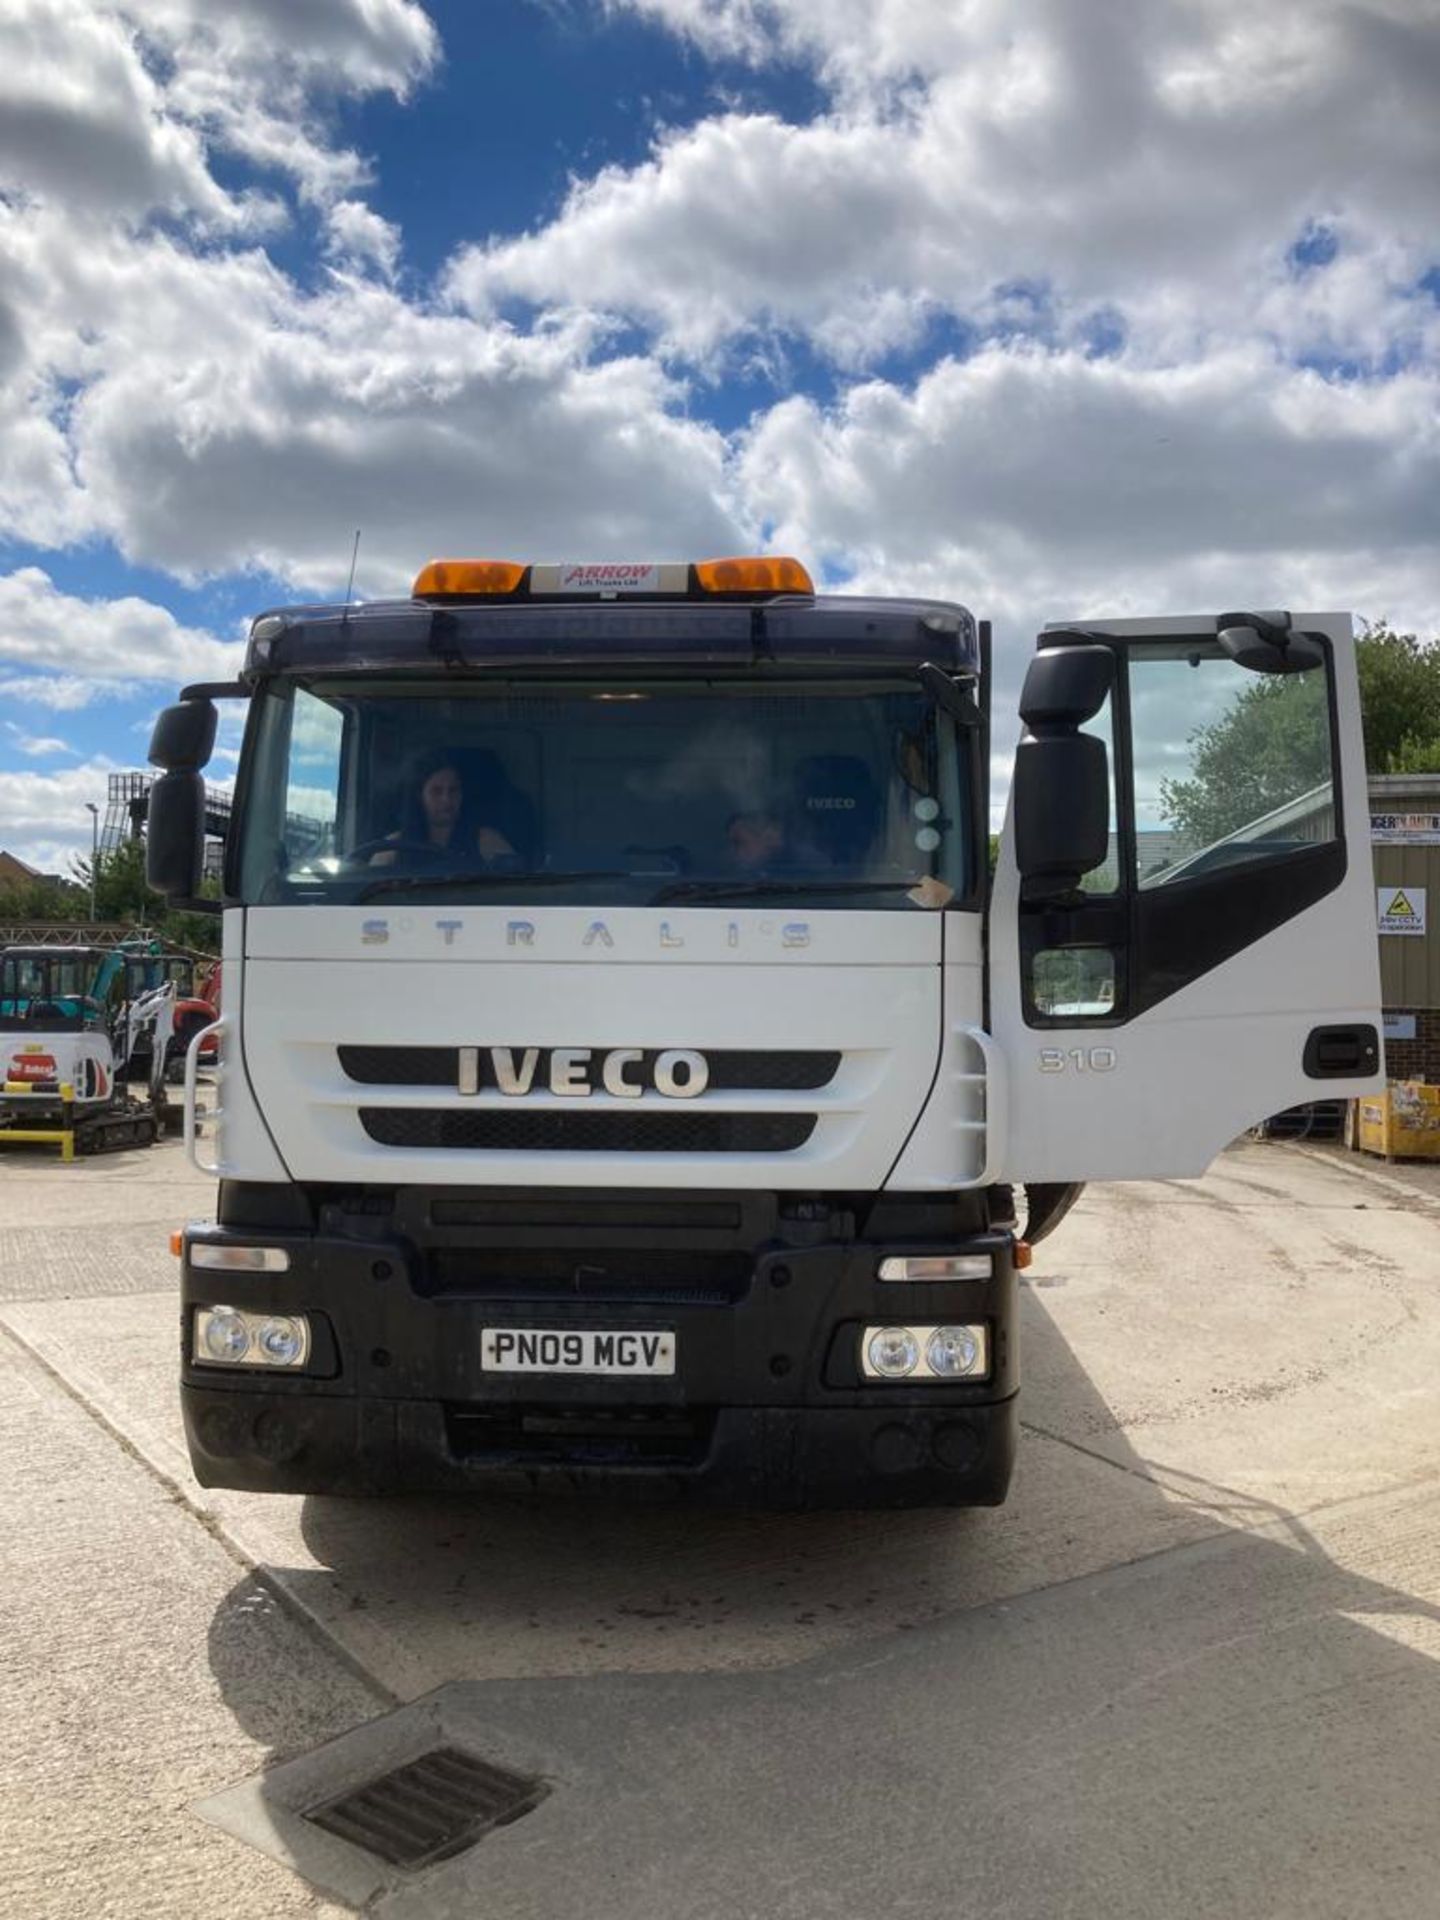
[{"x": 629, "y": 1059}]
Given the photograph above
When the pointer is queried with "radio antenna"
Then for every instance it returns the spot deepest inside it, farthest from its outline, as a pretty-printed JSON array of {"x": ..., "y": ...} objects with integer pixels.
[{"x": 354, "y": 556}]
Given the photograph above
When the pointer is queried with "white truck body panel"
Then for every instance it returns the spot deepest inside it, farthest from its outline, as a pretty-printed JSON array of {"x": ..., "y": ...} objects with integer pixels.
[
  {"x": 866, "y": 984},
  {"x": 1161, "y": 1094}
]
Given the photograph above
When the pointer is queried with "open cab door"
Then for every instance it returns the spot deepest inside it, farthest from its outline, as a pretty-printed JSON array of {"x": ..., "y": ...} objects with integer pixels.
[{"x": 1182, "y": 936}]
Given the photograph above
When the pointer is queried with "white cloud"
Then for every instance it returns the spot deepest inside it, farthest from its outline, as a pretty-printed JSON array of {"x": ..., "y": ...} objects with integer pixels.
[
  {"x": 111, "y": 106},
  {"x": 1074, "y": 465},
  {"x": 223, "y": 420},
  {"x": 204, "y": 413},
  {"x": 43, "y": 818},
  {"x": 1157, "y": 162},
  {"x": 37, "y": 746},
  {"x": 60, "y": 692},
  {"x": 1035, "y": 487},
  {"x": 82, "y": 120},
  {"x": 258, "y": 74},
  {"x": 98, "y": 646},
  {"x": 358, "y": 238}
]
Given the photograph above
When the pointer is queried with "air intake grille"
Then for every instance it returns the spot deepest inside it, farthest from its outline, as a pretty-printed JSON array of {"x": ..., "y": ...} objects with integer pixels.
[
  {"x": 581, "y": 1436},
  {"x": 776, "y": 1072},
  {"x": 488, "y": 1131}
]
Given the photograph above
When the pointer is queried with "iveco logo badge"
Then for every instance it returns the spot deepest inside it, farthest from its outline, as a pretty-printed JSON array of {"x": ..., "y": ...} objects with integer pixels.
[{"x": 575, "y": 1072}]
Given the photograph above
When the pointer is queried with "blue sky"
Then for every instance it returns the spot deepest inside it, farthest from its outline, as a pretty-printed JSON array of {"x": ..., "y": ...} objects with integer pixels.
[{"x": 1057, "y": 317}]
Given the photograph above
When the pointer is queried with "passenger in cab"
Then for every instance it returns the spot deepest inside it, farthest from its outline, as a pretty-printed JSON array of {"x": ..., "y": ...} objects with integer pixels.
[{"x": 756, "y": 841}]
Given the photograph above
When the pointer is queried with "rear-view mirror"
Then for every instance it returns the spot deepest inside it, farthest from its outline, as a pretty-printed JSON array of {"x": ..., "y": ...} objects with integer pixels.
[
  {"x": 175, "y": 834},
  {"x": 1062, "y": 809},
  {"x": 1066, "y": 686},
  {"x": 184, "y": 736},
  {"x": 1261, "y": 648}
]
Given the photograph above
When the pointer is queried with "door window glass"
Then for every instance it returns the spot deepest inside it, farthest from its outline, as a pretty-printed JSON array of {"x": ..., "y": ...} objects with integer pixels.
[
  {"x": 1074, "y": 983},
  {"x": 1105, "y": 878},
  {"x": 1230, "y": 766}
]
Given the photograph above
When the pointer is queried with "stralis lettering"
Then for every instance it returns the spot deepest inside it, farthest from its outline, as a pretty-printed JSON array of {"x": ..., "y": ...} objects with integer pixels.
[
  {"x": 669, "y": 936},
  {"x": 574, "y": 1073}
]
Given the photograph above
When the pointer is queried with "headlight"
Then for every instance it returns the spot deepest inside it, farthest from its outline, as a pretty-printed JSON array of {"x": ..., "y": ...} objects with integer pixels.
[
  {"x": 891, "y": 1352},
  {"x": 282, "y": 1340},
  {"x": 925, "y": 1353},
  {"x": 230, "y": 1337},
  {"x": 221, "y": 1335},
  {"x": 955, "y": 1353}
]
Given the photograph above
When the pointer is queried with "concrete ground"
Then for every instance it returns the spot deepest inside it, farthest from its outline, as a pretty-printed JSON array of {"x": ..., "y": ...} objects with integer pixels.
[{"x": 1190, "y": 1668}]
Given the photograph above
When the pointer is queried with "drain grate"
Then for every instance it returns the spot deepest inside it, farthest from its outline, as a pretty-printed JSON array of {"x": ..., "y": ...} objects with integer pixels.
[{"x": 430, "y": 1808}]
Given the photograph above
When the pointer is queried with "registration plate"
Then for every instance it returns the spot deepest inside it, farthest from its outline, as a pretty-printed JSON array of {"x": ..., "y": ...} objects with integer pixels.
[{"x": 586, "y": 1350}]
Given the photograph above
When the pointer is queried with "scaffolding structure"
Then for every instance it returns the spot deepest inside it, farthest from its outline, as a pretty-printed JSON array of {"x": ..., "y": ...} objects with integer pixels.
[
  {"x": 127, "y": 802},
  {"x": 70, "y": 933}
]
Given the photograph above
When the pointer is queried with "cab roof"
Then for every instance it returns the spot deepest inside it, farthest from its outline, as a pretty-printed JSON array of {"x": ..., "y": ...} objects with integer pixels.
[{"x": 809, "y": 632}]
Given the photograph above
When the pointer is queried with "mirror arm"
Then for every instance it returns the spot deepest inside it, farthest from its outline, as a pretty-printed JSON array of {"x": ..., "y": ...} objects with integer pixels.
[
  {"x": 947, "y": 694},
  {"x": 217, "y": 690}
]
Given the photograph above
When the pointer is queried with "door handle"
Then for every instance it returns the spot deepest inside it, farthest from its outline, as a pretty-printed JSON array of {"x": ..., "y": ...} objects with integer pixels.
[{"x": 1341, "y": 1053}]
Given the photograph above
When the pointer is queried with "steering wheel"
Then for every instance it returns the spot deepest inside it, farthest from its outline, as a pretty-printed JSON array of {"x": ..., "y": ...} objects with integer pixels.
[{"x": 386, "y": 843}]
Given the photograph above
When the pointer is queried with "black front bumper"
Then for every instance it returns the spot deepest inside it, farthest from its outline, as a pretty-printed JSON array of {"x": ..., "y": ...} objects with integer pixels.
[
  {"x": 767, "y": 1407},
  {"x": 763, "y": 1457}
]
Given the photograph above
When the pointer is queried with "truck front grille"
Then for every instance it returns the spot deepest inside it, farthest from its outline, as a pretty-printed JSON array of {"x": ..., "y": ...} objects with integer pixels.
[
  {"x": 782, "y": 1071},
  {"x": 488, "y": 1131}
]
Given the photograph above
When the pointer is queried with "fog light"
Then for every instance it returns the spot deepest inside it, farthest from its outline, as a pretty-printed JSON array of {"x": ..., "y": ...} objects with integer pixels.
[
  {"x": 223, "y": 1335},
  {"x": 956, "y": 1353},
  {"x": 216, "y": 1257},
  {"x": 230, "y": 1337},
  {"x": 891, "y": 1352},
  {"x": 282, "y": 1341},
  {"x": 938, "y": 1266}
]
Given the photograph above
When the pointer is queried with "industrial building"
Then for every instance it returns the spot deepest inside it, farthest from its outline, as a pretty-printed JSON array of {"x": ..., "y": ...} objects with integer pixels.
[{"x": 1405, "y": 838}]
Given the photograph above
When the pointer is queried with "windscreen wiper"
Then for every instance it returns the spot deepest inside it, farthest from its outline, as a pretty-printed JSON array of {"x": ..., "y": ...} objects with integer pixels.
[
  {"x": 762, "y": 889},
  {"x": 485, "y": 877}
]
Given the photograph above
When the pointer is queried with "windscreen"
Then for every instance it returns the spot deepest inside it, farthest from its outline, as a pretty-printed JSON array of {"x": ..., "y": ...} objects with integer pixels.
[
  {"x": 633, "y": 793},
  {"x": 45, "y": 991}
]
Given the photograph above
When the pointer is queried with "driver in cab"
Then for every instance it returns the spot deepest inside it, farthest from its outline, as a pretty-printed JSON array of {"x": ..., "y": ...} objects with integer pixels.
[{"x": 437, "y": 826}]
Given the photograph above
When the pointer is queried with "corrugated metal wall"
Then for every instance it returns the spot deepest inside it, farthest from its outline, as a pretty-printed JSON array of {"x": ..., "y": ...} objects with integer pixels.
[{"x": 1410, "y": 963}]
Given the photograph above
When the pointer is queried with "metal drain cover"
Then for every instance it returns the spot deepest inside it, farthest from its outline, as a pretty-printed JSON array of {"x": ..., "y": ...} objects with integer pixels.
[{"x": 430, "y": 1808}]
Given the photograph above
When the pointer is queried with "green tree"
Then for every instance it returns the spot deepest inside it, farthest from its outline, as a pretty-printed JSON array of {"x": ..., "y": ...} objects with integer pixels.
[
  {"x": 121, "y": 893},
  {"x": 1400, "y": 700},
  {"x": 43, "y": 899},
  {"x": 1272, "y": 746}
]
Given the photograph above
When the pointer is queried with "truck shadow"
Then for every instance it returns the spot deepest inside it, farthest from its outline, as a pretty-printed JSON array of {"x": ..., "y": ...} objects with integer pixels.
[
  {"x": 503, "y": 1584},
  {"x": 1251, "y": 1714}
]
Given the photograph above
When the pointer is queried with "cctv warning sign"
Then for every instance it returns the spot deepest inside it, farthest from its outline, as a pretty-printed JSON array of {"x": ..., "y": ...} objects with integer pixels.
[{"x": 1402, "y": 909}]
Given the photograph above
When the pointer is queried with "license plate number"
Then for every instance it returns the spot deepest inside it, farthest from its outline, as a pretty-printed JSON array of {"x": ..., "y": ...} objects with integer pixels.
[{"x": 588, "y": 1350}]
